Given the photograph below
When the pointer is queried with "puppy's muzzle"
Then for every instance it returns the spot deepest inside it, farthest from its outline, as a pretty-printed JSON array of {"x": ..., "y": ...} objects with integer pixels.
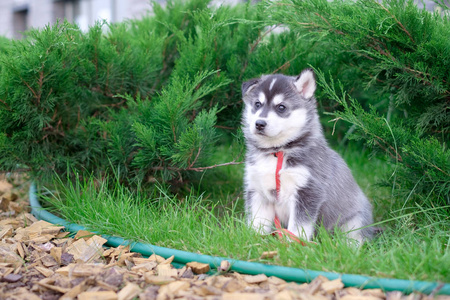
[{"x": 260, "y": 125}]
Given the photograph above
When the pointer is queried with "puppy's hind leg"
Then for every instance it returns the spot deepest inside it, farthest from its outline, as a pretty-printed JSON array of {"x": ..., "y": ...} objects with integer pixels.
[{"x": 352, "y": 229}]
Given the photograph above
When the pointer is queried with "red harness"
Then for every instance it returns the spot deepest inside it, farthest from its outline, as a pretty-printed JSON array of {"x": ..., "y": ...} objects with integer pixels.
[{"x": 280, "y": 230}]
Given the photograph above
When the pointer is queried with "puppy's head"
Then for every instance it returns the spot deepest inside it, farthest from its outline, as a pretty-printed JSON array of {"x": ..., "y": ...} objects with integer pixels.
[{"x": 277, "y": 107}]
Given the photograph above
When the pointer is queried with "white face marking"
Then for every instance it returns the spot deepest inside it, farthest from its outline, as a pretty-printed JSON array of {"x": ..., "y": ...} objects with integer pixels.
[
  {"x": 278, "y": 131},
  {"x": 278, "y": 99},
  {"x": 272, "y": 83},
  {"x": 262, "y": 98}
]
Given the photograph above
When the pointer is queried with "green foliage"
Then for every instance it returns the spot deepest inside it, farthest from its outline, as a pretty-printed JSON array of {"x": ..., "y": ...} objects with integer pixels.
[
  {"x": 145, "y": 97},
  {"x": 422, "y": 163},
  {"x": 401, "y": 56},
  {"x": 56, "y": 80},
  {"x": 4, "y": 43},
  {"x": 142, "y": 97}
]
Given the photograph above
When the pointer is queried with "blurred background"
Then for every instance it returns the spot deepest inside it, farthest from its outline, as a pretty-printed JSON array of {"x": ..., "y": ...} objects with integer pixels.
[{"x": 16, "y": 16}]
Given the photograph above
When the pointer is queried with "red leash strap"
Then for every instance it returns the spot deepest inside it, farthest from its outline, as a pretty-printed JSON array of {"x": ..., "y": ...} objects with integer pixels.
[
  {"x": 283, "y": 231},
  {"x": 280, "y": 156},
  {"x": 280, "y": 230}
]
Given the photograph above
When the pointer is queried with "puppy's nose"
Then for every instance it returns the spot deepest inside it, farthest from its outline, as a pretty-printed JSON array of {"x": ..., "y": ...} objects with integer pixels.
[{"x": 260, "y": 124}]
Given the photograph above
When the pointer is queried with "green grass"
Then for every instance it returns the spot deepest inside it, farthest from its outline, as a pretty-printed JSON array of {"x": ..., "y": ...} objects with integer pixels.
[{"x": 414, "y": 244}]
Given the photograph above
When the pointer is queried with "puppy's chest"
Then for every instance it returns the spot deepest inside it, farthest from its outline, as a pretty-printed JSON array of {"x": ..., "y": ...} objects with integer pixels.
[{"x": 261, "y": 177}]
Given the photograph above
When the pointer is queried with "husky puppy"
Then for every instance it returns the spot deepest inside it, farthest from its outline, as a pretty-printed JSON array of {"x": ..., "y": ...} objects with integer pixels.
[{"x": 316, "y": 186}]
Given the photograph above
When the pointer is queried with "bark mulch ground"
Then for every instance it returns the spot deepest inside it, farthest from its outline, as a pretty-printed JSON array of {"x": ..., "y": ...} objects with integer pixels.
[{"x": 39, "y": 260}]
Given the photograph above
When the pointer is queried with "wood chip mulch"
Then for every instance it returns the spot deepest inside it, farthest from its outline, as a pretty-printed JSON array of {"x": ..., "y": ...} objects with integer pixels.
[{"x": 38, "y": 260}]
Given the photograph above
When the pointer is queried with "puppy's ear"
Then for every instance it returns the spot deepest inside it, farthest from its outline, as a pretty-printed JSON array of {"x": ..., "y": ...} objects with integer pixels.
[
  {"x": 249, "y": 85},
  {"x": 306, "y": 83}
]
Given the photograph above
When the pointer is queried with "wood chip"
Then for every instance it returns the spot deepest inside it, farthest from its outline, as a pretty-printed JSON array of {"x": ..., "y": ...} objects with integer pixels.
[
  {"x": 234, "y": 285},
  {"x": 395, "y": 295},
  {"x": 30, "y": 217},
  {"x": 158, "y": 280},
  {"x": 102, "y": 295},
  {"x": 48, "y": 261},
  {"x": 96, "y": 241},
  {"x": 224, "y": 266},
  {"x": 255, "y": 278},
  {"x": 87, "y": 251},
  {"x": 6, "y": 231},
  {"x": 242, "y": 296},
  {"x": 187, "y": 274},
  {"x": 11, "y": 278},
  {"x": 172, "y": 289},
  {"x": 157, "y": 258},
  {"x": 207, "y": 290},
  {"x": 359, "y": 297},
  {"x": 83, "y": 234},
  {"x": 275, "y": 280},
  {"x": 169, "y": 260},
  {"x": 145, "y": 267},
  {"x": 130, "y": 291},
  {"x": 374, "y": 292},
  {"x": 166, "y": 271},
  {"x": 4, "y": 204},
  {"x": 56, "y": 253},
  {"x": 49, "y": 285},
  {"x": 63, "y": 271},
  {"x": 75, "y": 291},
  {"x": 84, "y": 270},
  {"x": 331, "y": 286},
  {"x": 44, "y": 271},
  {"x": 284, "y": 295},
  {"x": 268, "y": 254},
  {"x": 5, "y": 186},
  {"x": 198, "y": 268},
  {"x": 314, "y": 286},
  {"x": 5, "y": 271}
]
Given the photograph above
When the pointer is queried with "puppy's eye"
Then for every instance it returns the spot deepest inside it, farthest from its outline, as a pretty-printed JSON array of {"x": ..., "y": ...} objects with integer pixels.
[
  {"x": 281, "y": 108},
  {"x": 258, "y": 104}
]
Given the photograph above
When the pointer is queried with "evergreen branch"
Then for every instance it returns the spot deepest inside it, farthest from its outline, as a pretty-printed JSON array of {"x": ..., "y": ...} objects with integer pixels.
[
  {"x": 200, "y": 169},
  {"x": 328, "y": 23},
  {"x": 396, "y": 20},
  {"x": 40, "y": 84},
  {"x": 196, "y": 158},
  {"x": 225, "y": 127},
  {"x": 6, "y": 104},
  {"x": 285, "y": 64},
  {"x": 118, "y": 104},
  {"x": 98, "y": 89},
  {"x": 395, "y": 157},
  {"x": 29, "y": 87},
  {"x": 197, "y": 169},
  {"x": 256, "y": 43},
  {"x": 253, "y": 47}
]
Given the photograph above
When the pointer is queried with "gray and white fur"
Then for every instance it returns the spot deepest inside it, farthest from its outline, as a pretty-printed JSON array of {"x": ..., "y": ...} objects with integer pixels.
[{"x": 316, "y": 185}]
